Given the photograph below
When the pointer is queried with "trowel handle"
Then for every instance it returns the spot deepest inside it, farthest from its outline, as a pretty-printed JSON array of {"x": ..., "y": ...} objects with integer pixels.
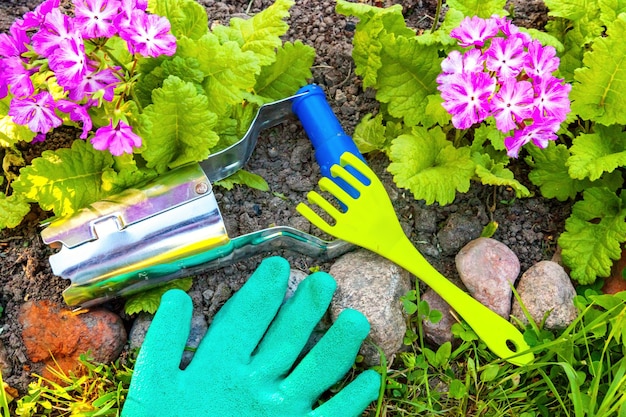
[{"x": 326, "y": 134}]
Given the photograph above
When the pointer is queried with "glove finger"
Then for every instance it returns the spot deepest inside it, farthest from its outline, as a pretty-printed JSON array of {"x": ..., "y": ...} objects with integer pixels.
[
  {"x": 165, "y": 341},
  {"x": 241, "y": 323},
  {"x": 330, "y": 359},
  {"x": 294, "y": 324},
  {"x": 353, "y": 399}
]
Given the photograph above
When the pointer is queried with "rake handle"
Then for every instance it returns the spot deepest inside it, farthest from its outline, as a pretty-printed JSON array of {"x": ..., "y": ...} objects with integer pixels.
[
  {"x": 325, "y": 132},
  {"x": 500, "y": 336}
]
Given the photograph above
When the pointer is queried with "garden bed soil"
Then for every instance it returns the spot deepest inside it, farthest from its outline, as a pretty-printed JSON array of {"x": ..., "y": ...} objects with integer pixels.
[{"x": 284, "y": 157}]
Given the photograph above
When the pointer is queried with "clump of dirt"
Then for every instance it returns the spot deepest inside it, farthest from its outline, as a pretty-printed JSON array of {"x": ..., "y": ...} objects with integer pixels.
[{"x": 284, "y": 158}]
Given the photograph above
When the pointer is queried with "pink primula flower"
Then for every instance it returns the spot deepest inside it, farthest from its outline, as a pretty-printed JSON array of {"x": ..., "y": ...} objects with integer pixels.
[
  {"x": 69, "y": 62},
  {"x": 474, "y": 31},
  {"x": 95, "y": 18},
  {"x": 36, "y": 18},
  {"x": 17, "y": 77},
  {"x": 540, "y": 133},
  {"x": 541, "y": 61},
  {"x": 15, "y": 43},
  {"x": 149, "y": 35},
  {"x": 466, "y": 98},
  {"x": 38, "y": 112},
  {"x": 104, "y": 80},
  {"x": 56, "y": 28},
  {"x": 77, "y": 113},
  {"x": 552, "y": 98},
  {"x": 505, "y": 57},
  {"x": 455, "y": 63},
  {"x": 512, "y": 104},
  {"x": 118, "y": 140}
]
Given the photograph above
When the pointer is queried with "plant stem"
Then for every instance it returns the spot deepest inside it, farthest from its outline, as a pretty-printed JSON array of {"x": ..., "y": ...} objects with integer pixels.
[{"x": 437, "y": 12}]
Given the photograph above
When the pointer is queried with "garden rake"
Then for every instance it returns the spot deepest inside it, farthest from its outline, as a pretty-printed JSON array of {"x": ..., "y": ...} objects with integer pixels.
[{"x": 367, "y": 219}]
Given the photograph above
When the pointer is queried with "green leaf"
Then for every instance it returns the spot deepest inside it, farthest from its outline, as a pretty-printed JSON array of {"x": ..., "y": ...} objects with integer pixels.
[
  {"x": 597, "y": 93},
  {"x": 243, "y": 177},
  {"x": 593, "y": 234},
  {"x": 65, "y": 180},
  {"x": 286, "y": 75},
  {"x": 610, "y": 9},
  {"x": 489, "y": 373},
  {"x": 457, "y": 389},
  {"x": 374, "y": 24},
  {"x": 549, "y": 172},
  {"x": 229, "y": 71},
  {"x": 596, "y": 153},
  {"x": 492, "y": 173},
  {"x": 187, "y": 69},
  {"x": 12, "y": 210},
  {"x": 452, "y": 20},
  {"x": 187, "y": 17},
  {"x": 480, "y": 8},
  {"x": 261, "y": 34},
  {"x": 125, "y": 174},
  {"x": 150, "y": 300},
  {"x": 11, "y": 132},
  {"x": 373, "y": 134},
  {"x": 181, "y": 126},
  {"x": 407, "y": 77},
  {"x": 428, "y": 165},
  {"x": 571, "y": 9}
]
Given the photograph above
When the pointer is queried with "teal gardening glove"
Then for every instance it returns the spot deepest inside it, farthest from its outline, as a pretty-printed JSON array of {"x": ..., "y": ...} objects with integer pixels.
[{"x": 244, "y": 366}]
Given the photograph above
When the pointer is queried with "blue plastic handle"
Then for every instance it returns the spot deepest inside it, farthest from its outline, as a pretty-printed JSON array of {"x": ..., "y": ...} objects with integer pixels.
[{"x": 326, "y": 134}]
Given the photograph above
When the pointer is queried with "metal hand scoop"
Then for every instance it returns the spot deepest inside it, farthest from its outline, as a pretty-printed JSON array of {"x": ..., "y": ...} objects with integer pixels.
[{"x": 370, "y": 221}]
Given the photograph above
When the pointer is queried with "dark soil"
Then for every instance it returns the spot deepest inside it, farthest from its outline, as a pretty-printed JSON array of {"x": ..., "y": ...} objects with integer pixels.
[{"x": 284, "y": 158}]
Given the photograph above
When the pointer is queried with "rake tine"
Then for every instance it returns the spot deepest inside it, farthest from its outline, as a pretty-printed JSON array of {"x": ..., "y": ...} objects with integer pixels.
[
  {"x": 328, "y": 185},
  {"x": 314, "y": 218}
]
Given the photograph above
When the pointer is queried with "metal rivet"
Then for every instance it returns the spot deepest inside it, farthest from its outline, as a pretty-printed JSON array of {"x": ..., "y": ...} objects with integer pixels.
[{"x": 202, "y": 188}]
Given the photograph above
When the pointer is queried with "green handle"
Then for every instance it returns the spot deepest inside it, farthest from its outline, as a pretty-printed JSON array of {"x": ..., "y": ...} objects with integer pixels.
[{"x": 501, "y": 336}]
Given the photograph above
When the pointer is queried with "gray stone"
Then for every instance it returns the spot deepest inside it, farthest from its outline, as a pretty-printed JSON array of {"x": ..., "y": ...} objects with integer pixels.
[
  {"x": 488, "y": 268},
  {"x": 372, "y": 285},
  {"x": 546, "y": 287},
  {"x": 440, "y": 332},
  {"x": 457, "y": 231},
  {"x": 295, "y": 278},
  {"x": 142, "y": 324}
]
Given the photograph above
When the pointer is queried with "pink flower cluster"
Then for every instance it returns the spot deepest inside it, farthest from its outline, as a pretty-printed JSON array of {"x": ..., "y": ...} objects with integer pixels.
[
  {"x": 506, "y": 74},
  {"x": 47, "y": 39}
]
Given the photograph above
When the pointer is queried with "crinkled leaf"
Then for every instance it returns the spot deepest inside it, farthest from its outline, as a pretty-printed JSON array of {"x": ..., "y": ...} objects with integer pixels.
[
  {"x": 610, "y": 9},
  {"x": 286, "y": 75},
  {"x": 488, "y": 133},
  {"x": 12, "y": 210},
  {"x": 11, "y": 132},
  {"x": 435, "y": 113},
  {"x": 150, "y": 300},
  {"x": 187, "y": 69},
  {"x": 374, "y": 134},
  {"x": 593, "y": 234},
  {"x": 261, "y": 34},
  {"x": 545, "y": 38},
  {"x": 369, "y": 134},
  {"x": 549, "y": 172},
  {"x": 593, "y": 154},
  {"x": 125, "y": 174},
  {"x": 408, "y": 77},
  {"x": 374, "y": 24},
  {"x": 65, "y": 180},
  {"x": 428, "y": 165},
  {"x": 243, "y": 177},
  {"x": 480, "y": 8},
  {"x": 229, "y": 71},
  {"x": 182, "y": 127},
  {"x": 187, "y": 17},
  {"x": 597, "y": 94},
  {"x": 493, "y": 173}
]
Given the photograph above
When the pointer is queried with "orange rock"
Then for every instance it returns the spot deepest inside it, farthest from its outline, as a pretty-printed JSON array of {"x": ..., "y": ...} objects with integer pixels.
[
  {"x": 616, "y": 282},
  {"x": 51, "y": 332}
]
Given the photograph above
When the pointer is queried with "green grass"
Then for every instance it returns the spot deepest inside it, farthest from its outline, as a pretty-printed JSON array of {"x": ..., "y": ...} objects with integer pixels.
[{"x": 580, "y": 371}]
